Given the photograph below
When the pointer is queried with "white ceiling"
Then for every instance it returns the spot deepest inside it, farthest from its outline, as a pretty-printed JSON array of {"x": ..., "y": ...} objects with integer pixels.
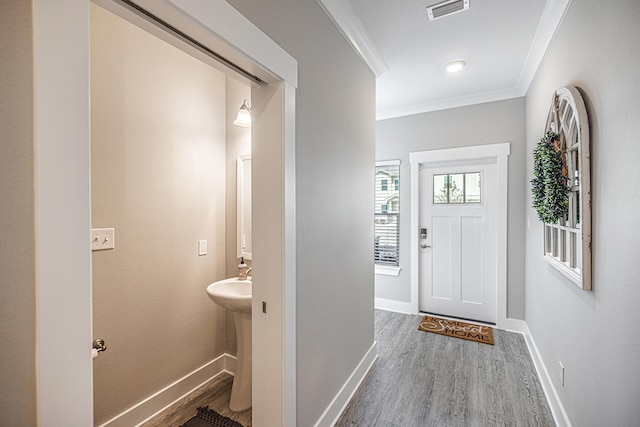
[{"x": 502, "y": 42}]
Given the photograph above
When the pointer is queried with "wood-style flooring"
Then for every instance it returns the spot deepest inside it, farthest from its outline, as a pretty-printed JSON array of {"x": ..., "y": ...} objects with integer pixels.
[
  {"x": 422, "y": 379},
  {"x": 215, "y": 394}
]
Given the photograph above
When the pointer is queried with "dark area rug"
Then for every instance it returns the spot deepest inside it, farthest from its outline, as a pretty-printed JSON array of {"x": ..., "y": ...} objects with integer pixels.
[{"x": 209, "y": 418}]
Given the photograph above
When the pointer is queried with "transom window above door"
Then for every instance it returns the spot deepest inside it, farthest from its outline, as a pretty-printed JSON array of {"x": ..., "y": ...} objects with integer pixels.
[{"x": 457, "y": 188}]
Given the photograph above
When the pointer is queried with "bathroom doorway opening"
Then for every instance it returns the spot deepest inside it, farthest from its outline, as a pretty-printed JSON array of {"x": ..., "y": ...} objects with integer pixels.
[
  {"x": 162, "y": 147},
  {"x": 273, "y": 172}
]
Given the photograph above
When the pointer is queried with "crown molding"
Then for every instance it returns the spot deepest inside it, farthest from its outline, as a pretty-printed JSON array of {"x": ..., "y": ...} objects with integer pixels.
[
  {"x": 345, "y": 19},
  {"x": 552, "y": 17},
  {"x": 445, "y": 104},
  {"x": 550, "y": 21}
]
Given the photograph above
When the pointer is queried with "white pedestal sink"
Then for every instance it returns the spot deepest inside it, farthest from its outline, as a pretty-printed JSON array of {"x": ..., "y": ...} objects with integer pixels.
[{"x": 235, "y": 295}]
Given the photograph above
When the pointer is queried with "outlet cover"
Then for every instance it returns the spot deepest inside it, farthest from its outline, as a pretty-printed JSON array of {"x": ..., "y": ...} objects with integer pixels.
[{"x": 102, "y": 238}]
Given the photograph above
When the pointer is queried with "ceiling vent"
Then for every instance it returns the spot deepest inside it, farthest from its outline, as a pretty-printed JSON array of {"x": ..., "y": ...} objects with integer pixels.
[{"x": 446, "y": 8}]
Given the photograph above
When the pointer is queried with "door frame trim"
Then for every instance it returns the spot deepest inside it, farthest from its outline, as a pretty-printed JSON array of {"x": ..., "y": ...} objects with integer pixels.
[{"x": 500, "y": 153}]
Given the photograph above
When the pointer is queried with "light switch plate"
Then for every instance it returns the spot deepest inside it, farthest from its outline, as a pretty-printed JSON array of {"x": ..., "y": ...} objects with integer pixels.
[
  {"x": 102, "y": 238},
  {"x": 202, "y": 247}
]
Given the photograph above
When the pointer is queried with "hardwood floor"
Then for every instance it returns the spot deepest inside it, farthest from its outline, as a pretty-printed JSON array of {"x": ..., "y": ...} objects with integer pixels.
[
  {"x": 422, "y": 379},
  {"x": 419, "y": 380},
  {"x": 214, "y": 394}
]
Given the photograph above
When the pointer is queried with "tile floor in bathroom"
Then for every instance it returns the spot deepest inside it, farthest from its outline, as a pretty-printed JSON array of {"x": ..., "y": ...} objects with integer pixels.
[{"x": 214, "y": 394}]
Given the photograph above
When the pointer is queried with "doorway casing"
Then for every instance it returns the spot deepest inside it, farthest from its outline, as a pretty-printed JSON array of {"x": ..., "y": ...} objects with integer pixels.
[
  {"x": 498, "y": 152},
  {"x": 63, "y": 200}
]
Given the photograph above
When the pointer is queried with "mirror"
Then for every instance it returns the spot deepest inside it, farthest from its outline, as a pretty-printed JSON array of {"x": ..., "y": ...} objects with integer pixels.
[{"x": 244, "y": 206}]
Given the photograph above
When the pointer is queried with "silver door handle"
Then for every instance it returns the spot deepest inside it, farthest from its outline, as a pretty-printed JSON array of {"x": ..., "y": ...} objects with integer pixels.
[{"x": 424, "y": 246}]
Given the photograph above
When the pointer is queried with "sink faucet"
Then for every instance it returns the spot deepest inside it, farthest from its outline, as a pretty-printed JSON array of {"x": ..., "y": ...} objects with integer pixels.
[
  {"x": 249, "y": 270},
  {"x": 243, "y": 269}
]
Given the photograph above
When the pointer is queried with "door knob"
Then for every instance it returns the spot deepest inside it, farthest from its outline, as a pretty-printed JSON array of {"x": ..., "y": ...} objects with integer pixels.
[
  {"x": 99, "y": 345},
  {"x": 424, "y": 246}
]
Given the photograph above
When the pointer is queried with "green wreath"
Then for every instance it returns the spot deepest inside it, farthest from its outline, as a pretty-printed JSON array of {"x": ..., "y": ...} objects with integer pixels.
[{"x": 549, "y": 185}]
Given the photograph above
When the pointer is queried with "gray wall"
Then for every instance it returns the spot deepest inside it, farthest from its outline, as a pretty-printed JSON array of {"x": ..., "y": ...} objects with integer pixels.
[
  {"x": 598, "y": 50},
  {"x": 335, "y": 134},
  {"x": 158, "y": 177},
  {"x": 17, "y": 259},
  {"x": 489, "y": 123}
]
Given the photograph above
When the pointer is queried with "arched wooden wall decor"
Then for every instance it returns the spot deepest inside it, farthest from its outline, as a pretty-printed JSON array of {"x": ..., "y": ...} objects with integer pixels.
[{"x": 567, "y": 243}]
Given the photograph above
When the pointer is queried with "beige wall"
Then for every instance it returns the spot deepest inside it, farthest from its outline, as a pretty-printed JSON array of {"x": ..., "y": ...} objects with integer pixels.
[
  {"x": 17, "y": 263},
  {"x": 158, "y": 178},
  {"x": 238, "y": 143}
]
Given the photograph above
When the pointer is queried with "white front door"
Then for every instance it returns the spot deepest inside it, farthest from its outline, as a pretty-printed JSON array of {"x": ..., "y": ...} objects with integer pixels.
[{"x": 458, "y": 240}]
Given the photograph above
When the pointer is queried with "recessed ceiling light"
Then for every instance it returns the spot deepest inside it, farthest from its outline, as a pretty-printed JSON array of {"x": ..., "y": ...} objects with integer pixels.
[{"x": 455, "y": 66}]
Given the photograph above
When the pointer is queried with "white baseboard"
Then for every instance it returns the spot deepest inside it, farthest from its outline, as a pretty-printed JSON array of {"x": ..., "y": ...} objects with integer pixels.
[
  {"x": 392, "y": 305},
  {"x": 557, "y": 410},
  {"x": 340, "y": 401},
  {"x": 511, "y": 325},
  {"x": 159, "y": 401}
]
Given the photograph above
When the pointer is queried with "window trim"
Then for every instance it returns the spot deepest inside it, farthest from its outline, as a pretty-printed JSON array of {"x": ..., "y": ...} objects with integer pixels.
[
  {"x": 387, "y": 270},
  {"x": 380, "y": 267}
]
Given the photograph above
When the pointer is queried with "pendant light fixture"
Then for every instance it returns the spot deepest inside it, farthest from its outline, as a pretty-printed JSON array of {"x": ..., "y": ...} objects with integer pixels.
[{"x": 243, "y": 119}]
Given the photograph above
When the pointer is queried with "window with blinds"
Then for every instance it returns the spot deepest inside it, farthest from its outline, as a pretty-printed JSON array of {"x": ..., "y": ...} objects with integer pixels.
[{"x": 387, "y": 213}]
